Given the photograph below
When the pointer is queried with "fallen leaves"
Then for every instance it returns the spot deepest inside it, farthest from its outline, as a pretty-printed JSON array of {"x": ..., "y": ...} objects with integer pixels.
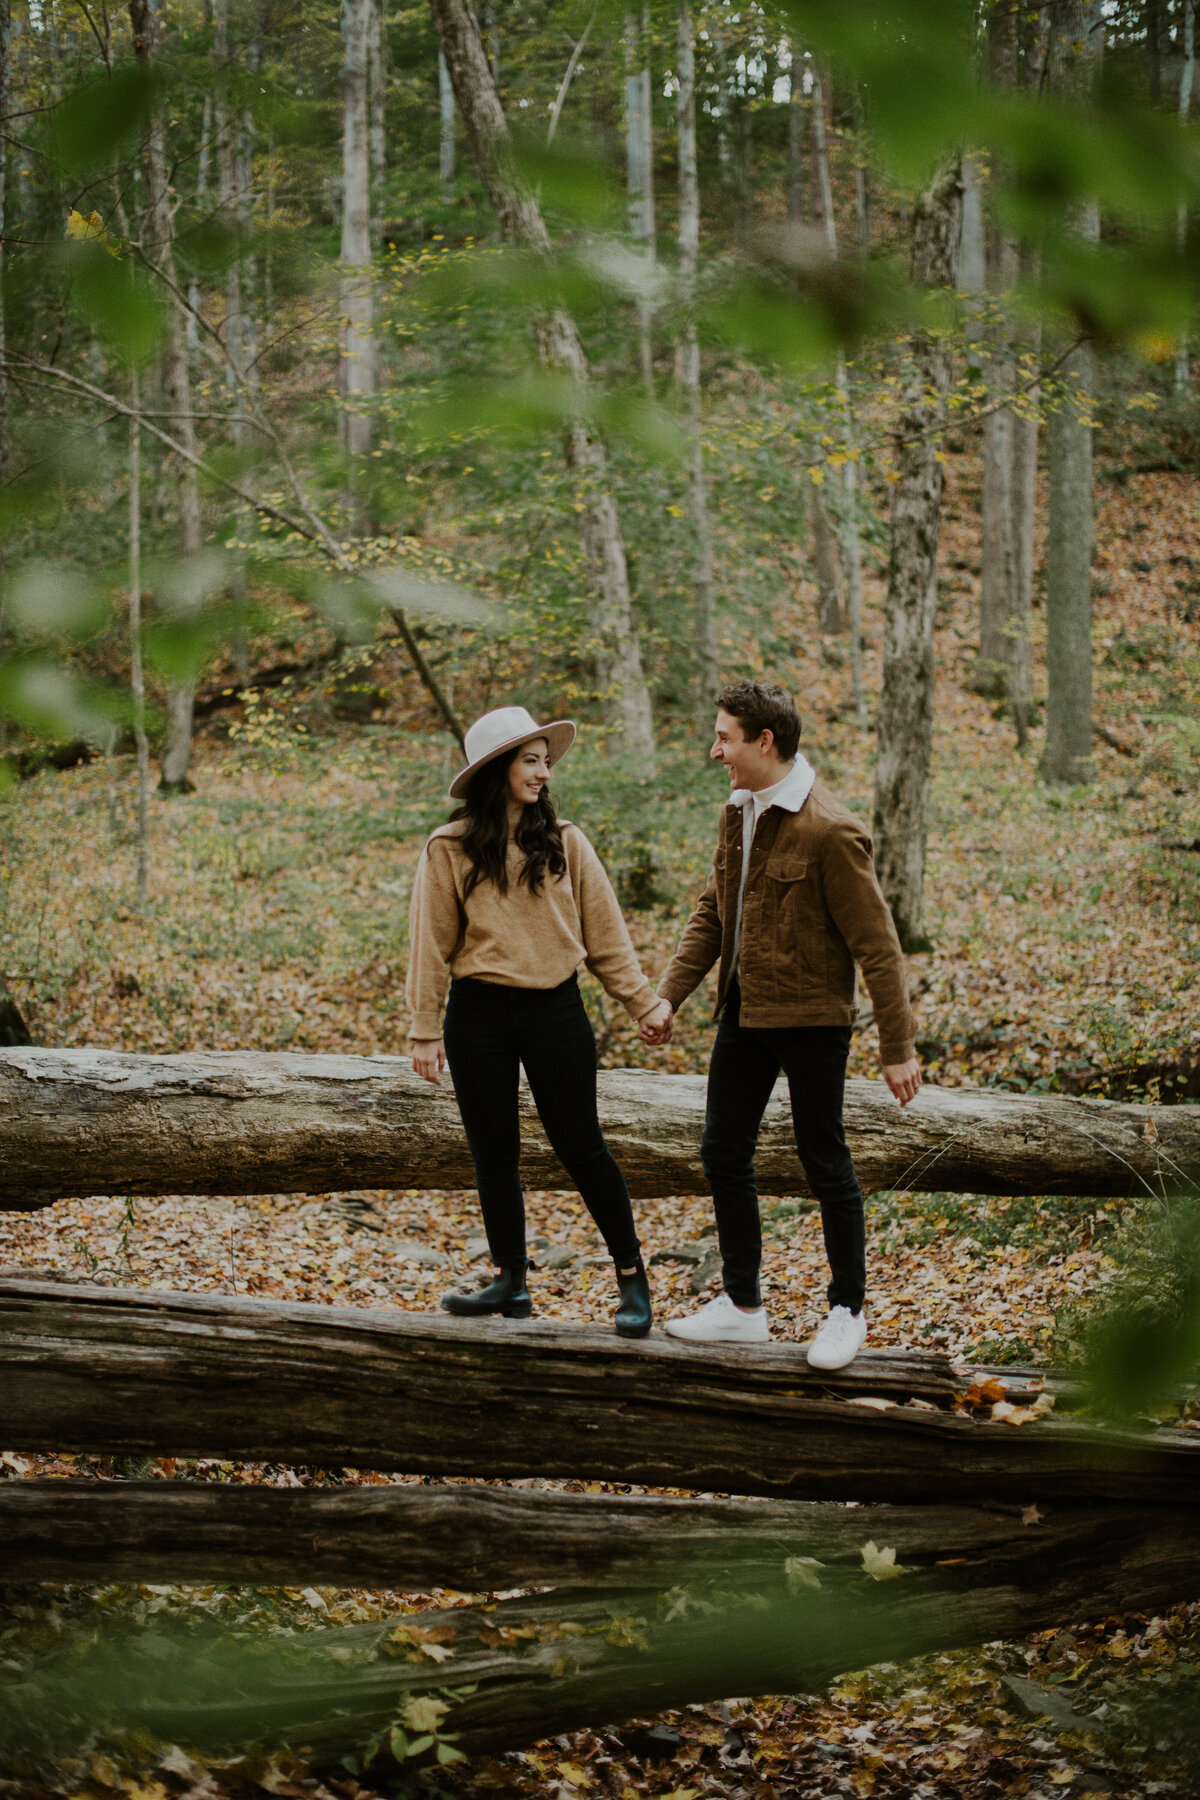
[{"x": 880, "y": 1565}]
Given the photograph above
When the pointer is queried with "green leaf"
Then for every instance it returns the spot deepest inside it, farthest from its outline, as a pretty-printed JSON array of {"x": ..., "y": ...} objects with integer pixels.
[
  {"x": 446, "y": 1753},
  {"x": 419, "y": 1745},
  {"x": 53, "y": 701},
  {"x": 118, "y": 300},
  {"x": 95, "y": 123}
]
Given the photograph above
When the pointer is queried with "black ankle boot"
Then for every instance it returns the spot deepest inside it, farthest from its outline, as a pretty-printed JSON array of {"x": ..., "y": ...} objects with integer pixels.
[
  {"x": 505, "y": 1293},
  {"x": 635, "y": 1315}
]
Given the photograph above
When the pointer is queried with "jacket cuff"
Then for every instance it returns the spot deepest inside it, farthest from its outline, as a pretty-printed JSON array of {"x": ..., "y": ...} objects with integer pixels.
[
  {"x": 644, "y": 1001},
  {"x": 896, "y": 1050},
  {"x": 426, "y": 1026},
  {"x": 674, "y": 991}
]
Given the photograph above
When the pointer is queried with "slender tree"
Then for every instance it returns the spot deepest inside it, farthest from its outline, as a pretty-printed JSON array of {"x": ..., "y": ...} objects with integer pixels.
[
  {"x": 358, "y": 308},
  {"x": 377, "y": 112},
  {"x": 639, "y": 161},
  {"x": 137, "y": 682},
  {"x": 446, "y": 142},
  {"x": 158, "y": 239},
  {"x": 617, "y": 650},
  {"x": 905, "y": 722},
  {"x": 1077, "y": 38},
  {"x": 1183, "y": 371},
  {"x": 703, "y": 580},
  {"x": 796, "y": 124}
]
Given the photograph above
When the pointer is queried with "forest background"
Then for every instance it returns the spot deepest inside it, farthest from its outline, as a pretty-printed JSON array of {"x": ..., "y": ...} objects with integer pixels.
[{"x": 358, "y": 372}]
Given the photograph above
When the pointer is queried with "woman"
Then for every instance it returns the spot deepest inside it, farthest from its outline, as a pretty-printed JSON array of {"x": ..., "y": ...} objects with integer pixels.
[{"x": 508, "y": 902}]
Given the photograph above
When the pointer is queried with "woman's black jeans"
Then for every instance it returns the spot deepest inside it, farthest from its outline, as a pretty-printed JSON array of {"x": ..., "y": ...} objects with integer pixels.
[
  {"x": 491, "y": 1031},
  {"x": 746, "y": 1062}
]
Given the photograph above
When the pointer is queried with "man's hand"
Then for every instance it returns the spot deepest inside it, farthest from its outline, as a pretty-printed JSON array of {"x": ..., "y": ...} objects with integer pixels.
[
  {"x": 428, "y": 1059},
  {"x": 904, "y": 1079},
  {"x": 657, "y": 1025}
]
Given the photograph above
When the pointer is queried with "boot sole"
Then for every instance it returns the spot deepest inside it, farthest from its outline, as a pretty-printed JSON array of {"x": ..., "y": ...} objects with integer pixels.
[
  {"x": 634, "y": 1331},
  {"x": 522, "y": 1310}
]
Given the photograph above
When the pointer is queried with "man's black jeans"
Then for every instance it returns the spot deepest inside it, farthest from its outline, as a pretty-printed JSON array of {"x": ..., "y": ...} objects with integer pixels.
[
  {"x": 745, "y": 1065},
  {"x": 490, "y": 1032}
]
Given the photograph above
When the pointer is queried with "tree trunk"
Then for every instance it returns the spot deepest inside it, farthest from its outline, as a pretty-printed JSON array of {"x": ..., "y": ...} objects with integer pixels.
[
  {"x": 358, "y": 311},
  {"x": 1077, "y": 40},
  {"x": 78, "y": 1122},
  {"x": 618, "y": 655},
  {"x": 822, "y": 175},
  {"x": 796, "y": 210},
  {"x": 1025, "y": 427},
  {"x": 448, "y": 123},
  {"x": 159, "y": 245},
  {"x": 414, "y": 1539},
  {"x": 137, "y": 683},
  {"x": 905, "y": 725},
  {"x": 703, "y": 578},
  {"x": 523, "y": 1670},
  {"x": 831, "y": 620},
  {"x": 639, "y": 166},
  {"x": 1183, "y": 370},
  {"x": 103, "y": 1370},
  {"x": 377, "y": 113}
]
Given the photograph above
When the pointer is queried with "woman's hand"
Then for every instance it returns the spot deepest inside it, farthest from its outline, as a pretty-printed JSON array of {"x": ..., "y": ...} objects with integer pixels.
[
  {"x": 655, "y": 1027},
  {"x": 428, "y": 1059}
]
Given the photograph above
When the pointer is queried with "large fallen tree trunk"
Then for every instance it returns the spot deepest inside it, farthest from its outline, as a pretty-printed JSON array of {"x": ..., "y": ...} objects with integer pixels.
[
  {"x": 94, "y": 1369},
  {"x": 75, "y": 1122},
  {"x": 412, "y": 1539},
  {"x": 524, "y": 1669}
]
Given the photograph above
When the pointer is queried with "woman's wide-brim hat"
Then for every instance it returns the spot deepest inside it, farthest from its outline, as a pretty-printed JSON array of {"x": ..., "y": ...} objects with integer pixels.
[{"x": 503, "y": 729}]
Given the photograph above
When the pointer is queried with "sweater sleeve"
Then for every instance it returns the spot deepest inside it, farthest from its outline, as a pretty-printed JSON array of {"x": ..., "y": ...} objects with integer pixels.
[
  {"x": 699, "y": 947},
  {"x": 433, "y": 933},
  {"x": 609, "y": 951},
  {"x": 860, "y": 912}
]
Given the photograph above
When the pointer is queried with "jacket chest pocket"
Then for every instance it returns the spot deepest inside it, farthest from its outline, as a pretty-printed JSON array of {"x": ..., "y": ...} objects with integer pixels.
[{"x": 787, "y": 869}]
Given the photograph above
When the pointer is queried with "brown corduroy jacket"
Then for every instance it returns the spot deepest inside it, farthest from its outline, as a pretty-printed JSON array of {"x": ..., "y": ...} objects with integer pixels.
[{"x": 813, "y": 907}]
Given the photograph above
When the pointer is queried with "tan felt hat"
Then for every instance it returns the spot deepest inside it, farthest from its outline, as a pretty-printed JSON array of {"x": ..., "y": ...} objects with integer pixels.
[{"x": 503, "y": 729}]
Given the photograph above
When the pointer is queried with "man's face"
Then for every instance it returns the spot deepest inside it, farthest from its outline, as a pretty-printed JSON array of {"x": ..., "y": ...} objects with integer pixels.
[{"x": 749, "y": 764}]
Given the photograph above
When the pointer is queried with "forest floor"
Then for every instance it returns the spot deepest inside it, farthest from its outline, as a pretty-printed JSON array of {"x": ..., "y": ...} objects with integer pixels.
[{"x": 1066, "y": 953}]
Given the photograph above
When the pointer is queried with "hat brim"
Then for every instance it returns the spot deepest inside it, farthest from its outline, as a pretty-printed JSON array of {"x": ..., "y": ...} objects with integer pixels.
[{"x": 559, "y": 736}]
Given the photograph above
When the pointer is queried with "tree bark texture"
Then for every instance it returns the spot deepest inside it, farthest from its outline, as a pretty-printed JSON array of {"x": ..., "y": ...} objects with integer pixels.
[
  {"x": 905, "y": 719},
  {"x": 158, "y": 238},
  {"x": 555, "y": 1662},
  {"x": 79, "y": 1122},
  {"x": 358, "y": 307},
  {"x": 102, "y": 1370},
  {"x": 703, "y": 578},
  {"x": 412, "y": 1539},
  {"x": 831, "y": 620},
  {"x": 617, "y": 650},
  {"x": 448, "y": 127},
  {"x": 1077, "y": 37}
]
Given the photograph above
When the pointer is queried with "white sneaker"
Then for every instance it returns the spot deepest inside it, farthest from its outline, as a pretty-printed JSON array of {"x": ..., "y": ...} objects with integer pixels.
[
  {"x": 839, "y": 1340},
  {"x": 721, "y": 1322}
]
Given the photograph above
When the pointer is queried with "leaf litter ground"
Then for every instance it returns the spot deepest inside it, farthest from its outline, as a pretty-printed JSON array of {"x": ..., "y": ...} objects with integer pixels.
[{"x": 1066, "y": 929}]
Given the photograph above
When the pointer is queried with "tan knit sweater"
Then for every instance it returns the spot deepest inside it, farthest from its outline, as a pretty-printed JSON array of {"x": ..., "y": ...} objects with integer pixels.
[{"x": 517, "y": 939}]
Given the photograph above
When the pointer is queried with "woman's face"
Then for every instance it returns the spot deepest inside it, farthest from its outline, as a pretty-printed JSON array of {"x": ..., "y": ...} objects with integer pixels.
[{"x": 529, "y": 771}]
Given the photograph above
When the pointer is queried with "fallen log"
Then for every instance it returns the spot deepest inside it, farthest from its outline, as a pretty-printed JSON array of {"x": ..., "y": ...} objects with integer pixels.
[
  {"x": 517, "y": 1672},
  {"x": 78, "y": 1122},
  {"x": 103, "y": 1370},
  {"x": 412, "y": 1539}
]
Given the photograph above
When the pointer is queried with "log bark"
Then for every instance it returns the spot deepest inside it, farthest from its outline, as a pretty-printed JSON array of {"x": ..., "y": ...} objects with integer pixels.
[
  {"x": 584, "y": 1660},
  {"x": 79, "y": 1122},
  {"x": 412, "y": 1539},
  {"x": 102, "y": 1370}
]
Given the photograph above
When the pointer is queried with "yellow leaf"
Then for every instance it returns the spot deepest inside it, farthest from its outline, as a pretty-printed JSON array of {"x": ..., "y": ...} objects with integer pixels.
[
  {"x": 1061, "y": 1777},
  {"x": 817, "y": 476},
  {"x": 880, "y": 1564},
  {"x": 681, "y": 1794},
  {"x": 573, "y": 1773}
]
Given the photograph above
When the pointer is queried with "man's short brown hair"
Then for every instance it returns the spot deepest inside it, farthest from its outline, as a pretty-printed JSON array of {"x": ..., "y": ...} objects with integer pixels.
[{"x": 760, "y": 706}]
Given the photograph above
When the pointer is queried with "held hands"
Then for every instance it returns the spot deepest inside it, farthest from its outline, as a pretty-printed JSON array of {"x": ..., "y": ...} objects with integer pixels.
[
  {"x": 428, "y": 1059},
  {"x": 657, "y": 1025},
  {"x": 904, "y": 1079}
]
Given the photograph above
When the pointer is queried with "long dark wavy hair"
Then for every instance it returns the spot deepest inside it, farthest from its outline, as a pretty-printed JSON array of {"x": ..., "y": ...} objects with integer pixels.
[{"x": 485, "y": 841}]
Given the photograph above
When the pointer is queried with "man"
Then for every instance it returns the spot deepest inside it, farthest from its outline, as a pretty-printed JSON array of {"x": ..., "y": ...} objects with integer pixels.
[{"x": 791, "y": 904}]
